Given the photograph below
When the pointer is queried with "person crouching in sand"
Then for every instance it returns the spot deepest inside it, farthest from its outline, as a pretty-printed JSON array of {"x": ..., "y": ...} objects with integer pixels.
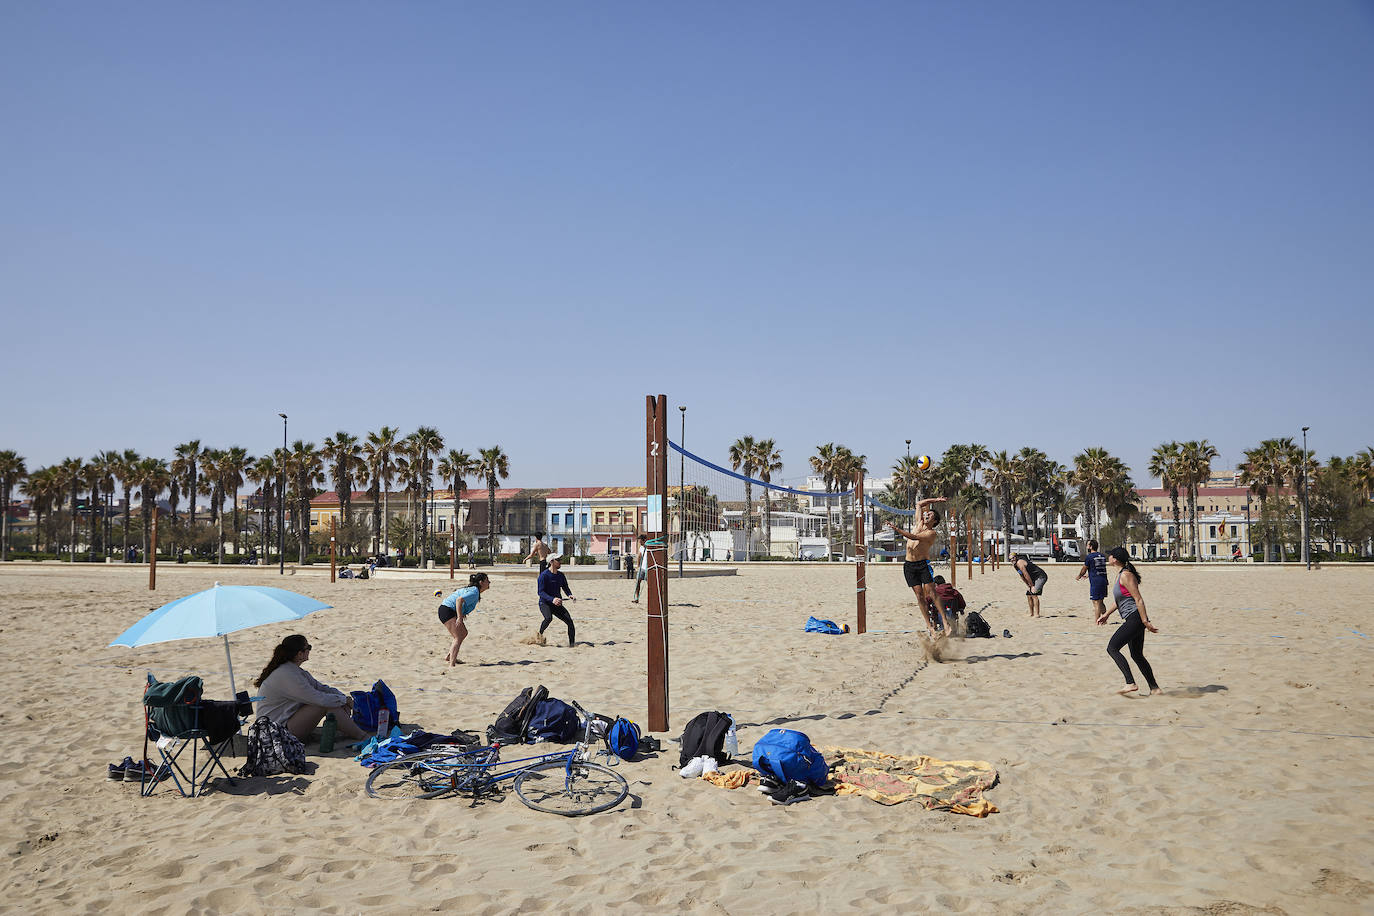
[{"x": 454, "y": 611}]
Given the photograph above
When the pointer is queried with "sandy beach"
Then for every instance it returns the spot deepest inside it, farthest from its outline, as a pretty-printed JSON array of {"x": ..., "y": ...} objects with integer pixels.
[{"x": 1245, "y": 788}]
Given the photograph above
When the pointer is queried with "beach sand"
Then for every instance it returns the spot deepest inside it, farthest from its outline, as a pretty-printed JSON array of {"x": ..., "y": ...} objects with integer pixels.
[{"x": 1247, "y": 787}]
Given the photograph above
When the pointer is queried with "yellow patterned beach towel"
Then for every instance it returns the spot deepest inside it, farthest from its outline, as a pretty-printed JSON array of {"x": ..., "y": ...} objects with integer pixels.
[{"x": 945, "y": 785}]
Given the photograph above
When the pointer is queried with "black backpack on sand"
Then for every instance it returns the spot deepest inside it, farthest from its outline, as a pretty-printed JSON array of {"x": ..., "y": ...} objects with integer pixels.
[
  {"x": 975, "y": 627},
  {"x": 705, "y": 736},
  {"x": 514, "y": 722}
]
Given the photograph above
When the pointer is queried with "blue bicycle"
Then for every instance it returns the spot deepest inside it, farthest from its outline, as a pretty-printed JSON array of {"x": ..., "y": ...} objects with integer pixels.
[{"x": 564, "y": 782}]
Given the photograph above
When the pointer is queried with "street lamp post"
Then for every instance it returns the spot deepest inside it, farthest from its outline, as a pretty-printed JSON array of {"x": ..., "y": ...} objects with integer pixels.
[
  {"x": 908, "y": 473},
  {"x": 681, "y": 489},
  {"x": 281, "y": 503},
  {"x": 1306, "y": 514}
]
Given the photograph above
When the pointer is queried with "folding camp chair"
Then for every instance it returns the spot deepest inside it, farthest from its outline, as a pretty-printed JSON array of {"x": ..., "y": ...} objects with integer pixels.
[{"x": 177, "y": 716}]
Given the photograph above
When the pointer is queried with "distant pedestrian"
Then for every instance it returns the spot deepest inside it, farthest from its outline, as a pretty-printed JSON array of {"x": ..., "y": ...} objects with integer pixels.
[
  {"x": 641, "y": 563},
  {"x": 539, "y": 551}
]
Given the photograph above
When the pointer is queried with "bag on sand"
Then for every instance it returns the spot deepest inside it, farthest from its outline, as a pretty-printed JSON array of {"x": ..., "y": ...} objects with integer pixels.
[
  {"x": 554, "y": 720},
  {"x": 514, "y": 722},
  {"x": 367, "y": 706},
  {"x": 705, "y": 736},
  {"x": 622, "y": 738},
  {"x": 975, "y": 627},
  {"x": 788, "y": 755}
]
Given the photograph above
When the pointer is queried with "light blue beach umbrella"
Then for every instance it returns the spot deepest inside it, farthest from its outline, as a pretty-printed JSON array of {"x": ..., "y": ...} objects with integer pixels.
[{"x": 218, "y": 611}]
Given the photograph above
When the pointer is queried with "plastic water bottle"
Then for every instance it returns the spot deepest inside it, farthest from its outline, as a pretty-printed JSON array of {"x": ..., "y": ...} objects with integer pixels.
[
  {"x": 328, "y": 733},
  {"x": 383, "y": 722},
  {"x": 731, "y": 740}
]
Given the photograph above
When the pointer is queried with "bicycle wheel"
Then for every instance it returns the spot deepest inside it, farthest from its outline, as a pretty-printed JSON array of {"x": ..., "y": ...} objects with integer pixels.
[
  {"x": 587, "y": 789},
  {"x": 425, "y": 775}
]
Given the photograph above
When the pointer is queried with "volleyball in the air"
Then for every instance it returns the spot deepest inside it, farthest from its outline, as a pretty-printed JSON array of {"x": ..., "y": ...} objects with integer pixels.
[
  {"x": 923, "y": 462},
  {"x": 438, "y": 592}
]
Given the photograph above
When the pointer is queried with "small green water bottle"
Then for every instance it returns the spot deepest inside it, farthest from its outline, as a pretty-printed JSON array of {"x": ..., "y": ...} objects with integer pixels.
[{"x": 328, "y": 733}]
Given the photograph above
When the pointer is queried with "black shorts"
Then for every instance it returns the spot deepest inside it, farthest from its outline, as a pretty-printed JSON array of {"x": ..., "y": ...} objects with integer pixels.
[
  {"x": 918, "y": 572},
  {"x": 446, "y": 614}
]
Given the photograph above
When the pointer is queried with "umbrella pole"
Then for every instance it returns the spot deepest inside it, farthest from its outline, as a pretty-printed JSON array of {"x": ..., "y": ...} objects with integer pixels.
[{"x": 233, "y": 690}]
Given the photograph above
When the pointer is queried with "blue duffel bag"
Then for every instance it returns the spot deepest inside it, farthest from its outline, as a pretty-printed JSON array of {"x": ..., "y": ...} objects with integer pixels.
[{"x": 789, "y": 755}]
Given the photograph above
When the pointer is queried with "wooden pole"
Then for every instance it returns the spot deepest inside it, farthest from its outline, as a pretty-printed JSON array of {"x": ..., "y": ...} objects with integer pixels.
[
  {"x": 656, "y": 488},
  {"x": 452, "y": 548},
  {"x": 152, "y": 553},
  {"x": 860, "y": 556},
  {"x": 953, "y": 558},
  {"x": 968, "y": 525},
  {"x": 333, "y": 532},
  {"x": 982, "y": 550}
]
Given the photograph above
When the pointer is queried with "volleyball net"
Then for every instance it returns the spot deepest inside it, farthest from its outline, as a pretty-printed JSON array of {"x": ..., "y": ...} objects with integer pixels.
[{"x": 718, "y": 514}]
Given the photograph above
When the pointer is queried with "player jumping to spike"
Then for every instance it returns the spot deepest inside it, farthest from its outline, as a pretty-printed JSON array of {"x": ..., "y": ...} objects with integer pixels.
[{"x": 917, "y": 569}]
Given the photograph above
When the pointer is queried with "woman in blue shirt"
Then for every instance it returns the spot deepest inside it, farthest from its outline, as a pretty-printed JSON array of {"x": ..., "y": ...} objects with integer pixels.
[{"x": 455, "y": 608}]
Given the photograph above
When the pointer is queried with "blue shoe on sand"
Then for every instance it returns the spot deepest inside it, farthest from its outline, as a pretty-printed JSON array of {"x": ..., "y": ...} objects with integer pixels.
[{"x": 119, "y": 771}]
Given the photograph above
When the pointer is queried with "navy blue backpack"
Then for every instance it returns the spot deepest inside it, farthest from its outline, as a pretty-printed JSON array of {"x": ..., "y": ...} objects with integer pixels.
[{"x": 554, "y": 720}]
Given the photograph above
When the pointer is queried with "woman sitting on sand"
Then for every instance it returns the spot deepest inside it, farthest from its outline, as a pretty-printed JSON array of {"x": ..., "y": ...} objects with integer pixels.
[
  {"x": 454, "y": 611},
  {"x": 1134, "y": 621},
  {"x": 294, "y": 699}
]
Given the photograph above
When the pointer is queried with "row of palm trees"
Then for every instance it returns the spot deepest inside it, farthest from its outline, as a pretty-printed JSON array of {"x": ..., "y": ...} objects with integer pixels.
[
  {"x": 287, "y": 478},
  {"x": 1097, "y": 484}
]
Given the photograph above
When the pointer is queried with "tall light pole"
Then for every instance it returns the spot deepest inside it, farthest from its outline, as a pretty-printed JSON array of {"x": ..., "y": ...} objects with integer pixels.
[
  {"x": 1306, "y": 514},
  {"x": 281, "y": 503},
  {"x": 908, "y": 473},
  {"x": 681, "y": 489}
]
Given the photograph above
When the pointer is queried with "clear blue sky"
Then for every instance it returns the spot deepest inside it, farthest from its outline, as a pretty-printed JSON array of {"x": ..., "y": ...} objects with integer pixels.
[{"x": 1046, "y": 224}]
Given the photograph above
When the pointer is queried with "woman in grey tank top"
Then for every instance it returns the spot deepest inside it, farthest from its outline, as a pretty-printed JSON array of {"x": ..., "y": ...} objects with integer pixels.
[{"x": 1130, "y": 604}]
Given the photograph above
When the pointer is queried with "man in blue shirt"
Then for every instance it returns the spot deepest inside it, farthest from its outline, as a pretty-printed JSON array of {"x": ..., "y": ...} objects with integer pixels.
[
  {"x": 552, "y": 586},
  {"x": 1095, "y": 568}
]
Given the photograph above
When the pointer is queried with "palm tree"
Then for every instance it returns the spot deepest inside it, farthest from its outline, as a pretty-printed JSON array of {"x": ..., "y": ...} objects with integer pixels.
[
  {"x": 823, "y": 463},
  {"x": 1195, "y": 461},
  {"x": 455, "y": 467},
  {"x": 344, "y": 456},
  {"x": 768, "y": 459},
  {"x": 1165, "y": 464},
  {"x": 184, "y": 465},
  {"x": 128, "y": 461},
  {"x": 306, "y": 469},
  {"x": 380, "y": 453},
  {"x": 104, "y": 467},
  {"x": 427, "y": 443},
  {"x": 493, "y": 464},
  {"x": 848, "y": 466},
  {"x": 231, "y": 467},
  {"x": 70, "y": 474},
  {"x": 743, "y": 453},
  {"x": 12, "y": 472},
  {"x": 908, "y": 478},
  {"x": 1092, "y": 471},
  {"x": 151, "y": 476},
  {"x": 1265, "y": 469},
  {"x": 263, "y": 472},
  {"x": 1033, "y": 475},
  {"x": 45, "y": 492},
  {"x": 1002, "y": 477}
]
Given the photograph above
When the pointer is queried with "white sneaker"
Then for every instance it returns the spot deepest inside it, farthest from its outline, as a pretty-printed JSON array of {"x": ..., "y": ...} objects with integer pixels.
[
  {"x": 692, "y": 770},
  {"x": 709, "y": 765}
]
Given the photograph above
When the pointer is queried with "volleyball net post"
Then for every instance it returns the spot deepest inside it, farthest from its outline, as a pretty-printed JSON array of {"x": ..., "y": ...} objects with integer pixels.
[
  {"x": 860, "y": 557},
  {"x": 655, "y": 526}
]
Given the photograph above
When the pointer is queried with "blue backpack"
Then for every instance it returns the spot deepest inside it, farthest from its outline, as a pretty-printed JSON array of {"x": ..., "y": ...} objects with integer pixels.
[
  {"x": 828, "y": 627},
  {"x": 554, "y": 720},
  {"x": 789, "y": 755},
  {"x": 367, "y": 705},
  {"x": 623, "y": 738}
]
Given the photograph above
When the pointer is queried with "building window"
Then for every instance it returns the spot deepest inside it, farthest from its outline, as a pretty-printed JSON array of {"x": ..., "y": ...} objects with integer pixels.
[
  {"x": 1212, "y": 532},
  {"x": 601, "y": 518},
  {"x": 584, "y": 520},
  {"x": 1233, "y": 531},
  {"x": 1214, "y": 550},
  {"x": 442, "y": 520}
]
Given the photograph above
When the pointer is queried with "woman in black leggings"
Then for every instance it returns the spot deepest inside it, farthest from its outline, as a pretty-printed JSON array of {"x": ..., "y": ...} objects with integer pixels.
[{"x": 1134, "y": 621}]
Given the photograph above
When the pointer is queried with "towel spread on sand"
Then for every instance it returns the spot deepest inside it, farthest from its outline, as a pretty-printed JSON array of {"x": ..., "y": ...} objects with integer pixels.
[
  {"x": 732, "y": 780},
  {"x": 945, "y": 785}
]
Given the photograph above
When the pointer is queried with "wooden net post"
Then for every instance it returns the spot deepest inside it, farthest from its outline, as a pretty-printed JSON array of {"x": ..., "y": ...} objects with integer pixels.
[
  {"x": 656, "y": 487},
  {"x": 152, "y": 553},
  {"x": 333, "y": 535},
  {"x": 968, "y": 540},
  {"x": 953, "y": 558},
  {"x": 860, "y": 556},
  {"x": 452, "y": 546},
  {"x": 982, "y": 550}
]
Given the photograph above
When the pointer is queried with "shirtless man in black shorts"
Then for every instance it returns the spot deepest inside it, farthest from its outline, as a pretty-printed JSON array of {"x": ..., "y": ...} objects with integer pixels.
[{"x": 917, "y": 569}]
